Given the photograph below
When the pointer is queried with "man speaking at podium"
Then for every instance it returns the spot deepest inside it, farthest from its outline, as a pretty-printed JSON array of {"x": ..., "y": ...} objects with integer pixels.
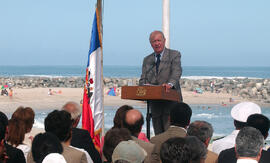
[{"x": 162, "y": 67}]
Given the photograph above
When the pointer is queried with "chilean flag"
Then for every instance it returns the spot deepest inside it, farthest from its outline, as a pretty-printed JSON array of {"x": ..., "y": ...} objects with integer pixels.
[{"x": 92, "y": 115}]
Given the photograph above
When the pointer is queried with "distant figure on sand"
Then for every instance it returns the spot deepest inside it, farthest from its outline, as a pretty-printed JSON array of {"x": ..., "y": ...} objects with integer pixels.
[
  {"x": 50, "y": 92},
  {"x": 4, "y": 92},
  {"x": 212, "y": 86},
  {"x": 10, "y": 92}
]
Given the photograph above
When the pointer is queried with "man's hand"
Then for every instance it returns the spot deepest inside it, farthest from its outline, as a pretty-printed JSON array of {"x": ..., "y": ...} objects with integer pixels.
[{"x": 167, "y": 87}]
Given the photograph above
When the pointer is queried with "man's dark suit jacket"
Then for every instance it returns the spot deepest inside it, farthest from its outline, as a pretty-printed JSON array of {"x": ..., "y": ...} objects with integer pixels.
[
  {"x": 82, "y": 139},
  {"x": 14, "y": 155},
  {"x": 229, "y": 156}
]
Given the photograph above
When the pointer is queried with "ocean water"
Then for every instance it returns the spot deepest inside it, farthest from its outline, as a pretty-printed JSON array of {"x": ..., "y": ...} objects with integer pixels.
[
  {"x": 135, "y": 71},
  {"x": 219, "y": 116}
]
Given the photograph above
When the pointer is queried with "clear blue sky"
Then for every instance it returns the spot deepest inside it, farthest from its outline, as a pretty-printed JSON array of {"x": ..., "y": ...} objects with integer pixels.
[{"x": 208, "y": 32}]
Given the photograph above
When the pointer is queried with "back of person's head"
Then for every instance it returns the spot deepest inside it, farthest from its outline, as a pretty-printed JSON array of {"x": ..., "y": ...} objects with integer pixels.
[
  {"x": 121, "y": 161},
  {"x": 16, "y": 132},
  {"x": 197, "y": 149},
  {"x": 112, "y": 138},
  {"x": 129, "y": 151},
  {"x": 3, "y": 125},
  {"x": 26, "y": 115},
  {"x": 44, "y": 144},
  {"x": 74, "y": 109},
  {"x": 249, "y": 142},
  {"x": 60, "y": 124},
  {"x": 133, "y": 121},
  {"x": 2, "y": 131},
  {"x": 239, "y": 125},
  {"x": 202, "y": 130},
  {"x": 175, "y": 150},
  {"x": 259, "y": 122},
  {"x": 120, "y": 115},
  {"x": 180, "y": 114}
]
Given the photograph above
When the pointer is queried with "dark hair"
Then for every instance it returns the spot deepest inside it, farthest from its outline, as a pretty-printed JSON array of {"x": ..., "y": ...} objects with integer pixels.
[
  {"x": 121, "y": 161},
  {"x": 201, "y": 129},
  {"x": 175, "y": 150},
  {"x": 239, "y": 125},
  {"x": 3, "y": 125},
  {"x": 197, "y": 149},
  {"x": 259, "y": 122},
  {"x": 134, "y": 128},
  {"x": 16, "y": 132},
  {"x": 180, "y": 114},
  {"x": 112, "y": 138},
  {"x": 26, "y": 115},
  {"x": 60, "y": 124},
  {"x": 44, "y": 144},
  {"x": 120, "y": 115}
]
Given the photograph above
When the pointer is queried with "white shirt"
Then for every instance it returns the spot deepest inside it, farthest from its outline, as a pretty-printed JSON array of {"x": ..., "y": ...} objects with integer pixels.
[
  {"x": 54, "y": 158},
  {"x": 25, "y": 149},
  {"x": 246, "y": 161},
  {"x": 225, "y": 143}
]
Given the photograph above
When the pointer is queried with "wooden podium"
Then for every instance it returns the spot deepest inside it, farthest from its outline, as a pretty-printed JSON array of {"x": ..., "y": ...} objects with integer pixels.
[{"x": 148, "y": 92}]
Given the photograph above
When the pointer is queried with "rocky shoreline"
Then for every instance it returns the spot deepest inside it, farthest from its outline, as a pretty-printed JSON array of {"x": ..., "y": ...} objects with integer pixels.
[{"x": 255, "y": 89}]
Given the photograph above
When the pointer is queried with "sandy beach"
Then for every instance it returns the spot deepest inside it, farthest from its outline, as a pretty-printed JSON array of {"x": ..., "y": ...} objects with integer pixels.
[{"x": 38, "y": 98}]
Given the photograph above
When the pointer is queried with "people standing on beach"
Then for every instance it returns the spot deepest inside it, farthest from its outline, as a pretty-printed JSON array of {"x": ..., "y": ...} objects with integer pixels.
[
  {"x": 80, "y": 137},
  {"x": 162, "y": 67},
  {"x": 10, "y": 94},
  {"x": 239, "y": 113},
  {"x": 134, "y": 121},
  {"x": 180, "y": 115},
  {"x": 212, "y": 85}
]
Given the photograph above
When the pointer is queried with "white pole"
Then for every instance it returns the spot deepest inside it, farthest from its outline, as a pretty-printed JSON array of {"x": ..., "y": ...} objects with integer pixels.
[
  {"x": 166, "y": 22},
  {"x": 99, "y": 7}
]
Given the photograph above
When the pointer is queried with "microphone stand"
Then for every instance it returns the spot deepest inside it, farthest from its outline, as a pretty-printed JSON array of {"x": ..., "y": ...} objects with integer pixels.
[{"x": 148, "y": 114}]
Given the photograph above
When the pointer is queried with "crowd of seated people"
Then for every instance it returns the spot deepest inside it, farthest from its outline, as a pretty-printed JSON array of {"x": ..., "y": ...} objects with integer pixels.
[{"x": 183, "y": 142}]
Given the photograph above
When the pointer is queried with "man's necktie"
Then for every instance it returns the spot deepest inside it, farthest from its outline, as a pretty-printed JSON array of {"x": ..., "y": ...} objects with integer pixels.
[{"x": 157, "y": 62}]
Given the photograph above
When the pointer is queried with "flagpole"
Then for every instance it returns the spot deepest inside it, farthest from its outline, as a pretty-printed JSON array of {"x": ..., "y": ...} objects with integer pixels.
[
  {"x": 166, "y": 22},
  {"x": 99, "y": 9}
]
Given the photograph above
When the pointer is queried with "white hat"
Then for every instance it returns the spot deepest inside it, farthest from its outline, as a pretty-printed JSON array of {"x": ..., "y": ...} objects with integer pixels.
[
  {"x": 129, "y": 151},
  {"x": 54, "y": 158},
  {"x": 243, "y": 110}
]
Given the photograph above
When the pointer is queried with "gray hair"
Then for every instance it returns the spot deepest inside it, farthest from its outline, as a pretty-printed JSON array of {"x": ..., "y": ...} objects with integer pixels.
[
  {"x": 249, "y": 142},
  {"x": 73, "y": 108},
  {"x": 197, "y": 148},
  {"x": 201, "y": 129},
  {"x": 155, "y": 32}
]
